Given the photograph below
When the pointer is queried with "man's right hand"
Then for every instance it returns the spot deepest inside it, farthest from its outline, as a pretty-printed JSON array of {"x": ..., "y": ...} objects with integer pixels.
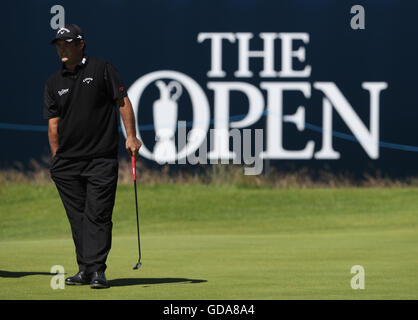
[{"x": 53, "y": 135}]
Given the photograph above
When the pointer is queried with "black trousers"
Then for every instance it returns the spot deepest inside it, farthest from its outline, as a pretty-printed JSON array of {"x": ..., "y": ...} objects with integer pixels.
[{"x": 87, "y": 189}]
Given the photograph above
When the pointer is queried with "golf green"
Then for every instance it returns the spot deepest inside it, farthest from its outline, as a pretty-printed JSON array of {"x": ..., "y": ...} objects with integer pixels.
[{"x": 227, "y": 242}]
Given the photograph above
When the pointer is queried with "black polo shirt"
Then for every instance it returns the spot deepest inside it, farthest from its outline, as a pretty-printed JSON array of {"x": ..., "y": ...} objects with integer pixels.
[{"x": 85, "y": 102}]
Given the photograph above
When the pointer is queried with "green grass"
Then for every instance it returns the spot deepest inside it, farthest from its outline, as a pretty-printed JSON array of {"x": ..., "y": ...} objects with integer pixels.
[{"x": 207, "y": 242}]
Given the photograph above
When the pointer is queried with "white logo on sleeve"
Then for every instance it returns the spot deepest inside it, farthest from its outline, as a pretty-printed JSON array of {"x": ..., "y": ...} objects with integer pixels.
[
  {"x": 63, "y": 91},
  {"x": 88, "y": 80}
]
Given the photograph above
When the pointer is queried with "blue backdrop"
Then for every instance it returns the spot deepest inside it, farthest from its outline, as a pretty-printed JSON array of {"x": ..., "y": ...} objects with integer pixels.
[{"x": 140, "y": 37}]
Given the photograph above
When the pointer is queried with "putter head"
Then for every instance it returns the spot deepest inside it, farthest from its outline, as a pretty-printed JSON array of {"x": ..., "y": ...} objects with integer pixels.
[{"x": 137, "y": 266}]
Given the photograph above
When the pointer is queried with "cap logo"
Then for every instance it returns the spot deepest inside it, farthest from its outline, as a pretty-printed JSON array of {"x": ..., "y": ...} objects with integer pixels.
[{"x": 62, "y": 30}]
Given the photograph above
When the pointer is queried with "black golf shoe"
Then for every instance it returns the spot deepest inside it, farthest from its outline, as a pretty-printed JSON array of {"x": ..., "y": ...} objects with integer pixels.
[
  {"x": 98, "y": 280},
  {"x": 79, "y": 279}
]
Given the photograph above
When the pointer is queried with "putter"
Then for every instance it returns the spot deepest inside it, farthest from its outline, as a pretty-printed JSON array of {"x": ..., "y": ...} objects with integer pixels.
[{"x": 138, "y": 265}]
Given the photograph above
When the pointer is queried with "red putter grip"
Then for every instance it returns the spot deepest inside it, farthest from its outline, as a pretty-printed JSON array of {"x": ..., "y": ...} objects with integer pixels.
[{"x": 133, "y": 167}]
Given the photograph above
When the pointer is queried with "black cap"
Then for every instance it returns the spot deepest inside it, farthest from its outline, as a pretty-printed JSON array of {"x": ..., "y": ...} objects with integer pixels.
[{"x": 68, "y": 33}]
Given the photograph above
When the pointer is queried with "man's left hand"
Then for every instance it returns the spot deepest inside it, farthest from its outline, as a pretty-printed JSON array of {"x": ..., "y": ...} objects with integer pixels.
[{"x": 132, "y": 145}]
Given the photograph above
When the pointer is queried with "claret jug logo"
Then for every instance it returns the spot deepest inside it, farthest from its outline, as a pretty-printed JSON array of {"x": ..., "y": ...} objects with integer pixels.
[
  {"x": 165, "y": 110},
  {"x": 267, "y": 98}
]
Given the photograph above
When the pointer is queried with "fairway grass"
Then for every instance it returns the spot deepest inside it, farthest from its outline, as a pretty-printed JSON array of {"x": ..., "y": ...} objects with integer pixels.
[{"x": 207, "y": 242}]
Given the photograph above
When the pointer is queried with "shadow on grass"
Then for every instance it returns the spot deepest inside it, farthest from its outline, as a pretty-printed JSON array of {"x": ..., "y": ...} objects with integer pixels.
[
  {"x": 145, "y": 281},
  {"x": 17, "y": 274},
  {"x": 113, "y": 283}
]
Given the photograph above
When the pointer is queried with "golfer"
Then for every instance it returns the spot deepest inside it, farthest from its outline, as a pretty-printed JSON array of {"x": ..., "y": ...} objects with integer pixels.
[{"x": 81, "y": 102}]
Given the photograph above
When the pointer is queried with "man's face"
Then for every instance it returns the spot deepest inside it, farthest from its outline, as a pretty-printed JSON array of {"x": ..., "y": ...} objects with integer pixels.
[{"x": 69, "y": 51}]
